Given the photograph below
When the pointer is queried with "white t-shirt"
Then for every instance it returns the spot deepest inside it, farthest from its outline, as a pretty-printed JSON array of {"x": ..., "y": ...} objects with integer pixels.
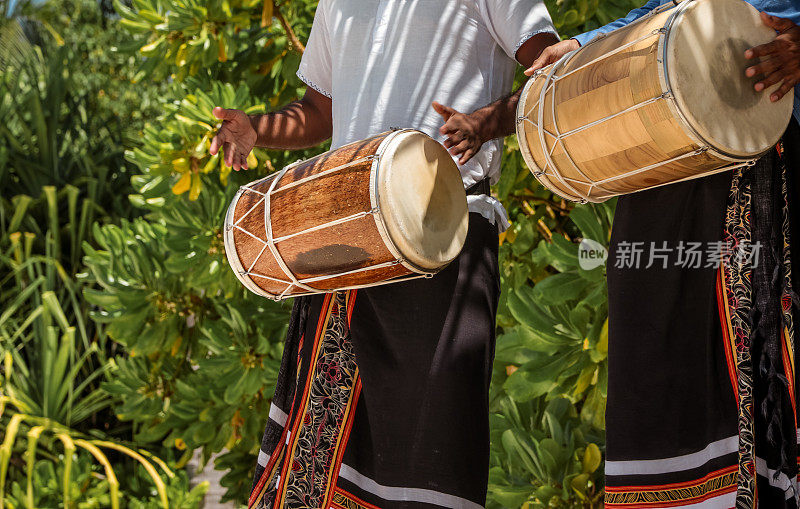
[{"x": 382, "y": 62}]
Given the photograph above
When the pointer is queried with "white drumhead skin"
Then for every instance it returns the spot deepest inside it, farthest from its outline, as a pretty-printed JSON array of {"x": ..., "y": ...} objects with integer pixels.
[
  {"x": 422, "y": 200},
  {"x": 706, "y": 65}
]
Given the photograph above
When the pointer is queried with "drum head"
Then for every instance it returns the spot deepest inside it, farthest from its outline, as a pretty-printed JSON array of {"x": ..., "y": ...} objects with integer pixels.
[
  {"x": 706, "y": 64},
  {"x": 422, "y": 200}
]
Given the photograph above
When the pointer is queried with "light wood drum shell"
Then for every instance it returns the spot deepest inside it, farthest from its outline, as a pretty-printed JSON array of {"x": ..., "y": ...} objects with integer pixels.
[
  {"x": 661, "y": 100},
  {"x": 388, "y": 208}
]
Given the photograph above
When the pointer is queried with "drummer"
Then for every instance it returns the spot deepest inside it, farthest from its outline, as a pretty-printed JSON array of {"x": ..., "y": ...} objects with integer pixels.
[
  {"x": 702, "y": 388},
  {"x": 423, "y": 350}
]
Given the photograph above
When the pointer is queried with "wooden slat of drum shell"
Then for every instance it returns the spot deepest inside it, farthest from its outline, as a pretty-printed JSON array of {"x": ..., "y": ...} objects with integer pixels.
[
  {"x": 333, "y": 158},
  {"x": 360, "y": 278},
  {"x": 338, "y": 248},
  {"x": 636, "y": 139}
]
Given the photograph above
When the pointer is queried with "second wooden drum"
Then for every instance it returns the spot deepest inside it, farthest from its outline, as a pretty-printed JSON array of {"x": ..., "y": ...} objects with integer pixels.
[
  {"x": 661, "y": 100},
  {"x": 388, "y": 208}
]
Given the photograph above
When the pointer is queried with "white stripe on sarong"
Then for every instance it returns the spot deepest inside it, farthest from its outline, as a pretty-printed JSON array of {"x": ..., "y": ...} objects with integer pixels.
[
  {"x": 277, "y": 415},
  {"x": 421, "y": 495},
  {"x": 280, "y": 417},
  {"x": 788, "y": 486},
  {"x": 677, "y": 463}
]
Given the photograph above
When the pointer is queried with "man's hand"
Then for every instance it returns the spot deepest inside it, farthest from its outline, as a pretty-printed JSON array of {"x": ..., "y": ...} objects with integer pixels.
[
  {"x": 467, "y": 132},
  {"x": 551, "y": 54},
  {"x": 464, "y": 132},
  {"x": 782, "y": 63},
  {"x": 236, "y": 137}
]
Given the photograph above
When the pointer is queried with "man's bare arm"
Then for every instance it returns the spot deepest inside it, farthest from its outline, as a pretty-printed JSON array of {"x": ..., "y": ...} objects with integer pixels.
[
  {"x": 301, "y": 124},
  {"x": 467, "y": 132}
]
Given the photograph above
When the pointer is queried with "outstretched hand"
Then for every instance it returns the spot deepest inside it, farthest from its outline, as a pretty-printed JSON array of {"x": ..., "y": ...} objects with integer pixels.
[
  {"x": 463, "y": 132},
  {"x": 236, "y": 137},
  {"x": 781, "y": 63}
]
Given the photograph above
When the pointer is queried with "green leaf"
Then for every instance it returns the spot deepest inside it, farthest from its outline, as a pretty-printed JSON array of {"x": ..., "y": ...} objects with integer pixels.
[
  {"x": 594, "y": 409},
  {"x": 591, "y": 458},
  {"x": 560, "y": 288}
]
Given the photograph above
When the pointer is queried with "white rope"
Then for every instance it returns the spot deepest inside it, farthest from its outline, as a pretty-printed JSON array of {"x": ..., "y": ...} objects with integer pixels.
[
  {"x": 324, "y": 173},
  {"x": 540, "y": 117},
  {"x": 654, "y": 165},
  {"x": 549, "y": 86},
  {"x": 271, "y": 243},
  {"x": 335, "y": 222},
  {"x": 721, "y": 169}
]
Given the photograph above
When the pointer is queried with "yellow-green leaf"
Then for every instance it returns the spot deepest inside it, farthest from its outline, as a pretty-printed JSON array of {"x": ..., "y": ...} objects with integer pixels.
[
  {"x": 197, "y": 185},
  {"x": 602, "y": 342},
  {"x": 182, "y": 185},
  {"x": 591, "y": 458},
  {"x": 180, "y": 164}
]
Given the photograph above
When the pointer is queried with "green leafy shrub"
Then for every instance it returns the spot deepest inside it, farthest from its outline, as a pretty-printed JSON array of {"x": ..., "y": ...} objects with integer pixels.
[
  {"x": 54, "y": 359},
  {"x": 92, "y": 489},
  {"x": 543, "y": 455},
  {"x": 67, "y": 107},
  {"x": 170, "y": 301},
  {"x": 202, "y": 353}
]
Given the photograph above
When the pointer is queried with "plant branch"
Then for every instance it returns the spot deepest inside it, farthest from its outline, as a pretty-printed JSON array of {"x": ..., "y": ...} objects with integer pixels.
[{"x": 296, "y": 44}]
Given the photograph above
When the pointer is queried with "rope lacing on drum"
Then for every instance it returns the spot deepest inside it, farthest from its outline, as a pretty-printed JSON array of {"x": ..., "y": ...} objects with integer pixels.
[
  {"x": 271, "y": 241},
  {"x": 550, "y": 82}
]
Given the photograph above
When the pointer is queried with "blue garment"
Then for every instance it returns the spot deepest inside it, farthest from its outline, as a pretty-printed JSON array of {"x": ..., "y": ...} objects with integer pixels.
[{"x": 789, "y": 9}]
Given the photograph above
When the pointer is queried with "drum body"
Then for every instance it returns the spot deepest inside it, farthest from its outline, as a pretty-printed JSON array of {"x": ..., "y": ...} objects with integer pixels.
[
  {"x": 661, "y": 100},
  {"x": 388, "y": 208}
]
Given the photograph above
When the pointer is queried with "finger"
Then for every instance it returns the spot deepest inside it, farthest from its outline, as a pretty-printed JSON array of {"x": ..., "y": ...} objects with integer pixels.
[
  {"x": 240, "y": 162},
  {"x": 453, "y": 139},
  {"x": 225, "y": 114},
  {"x": 460, "y": 148},
  {"x": 538, "y": 63},
  {"x": 764, "y": 67},
  {"x": 216, "y": 143},
  {"x": 782, "y": 91},
  {"x": 776, "y": 23},
  {"x": 244, "y": 162},
  {"x": 467, "y": 156},
  {"x": 228, "y": 149},
  {"x": 765, "y": 49},
  {"x": 444, "y": 111},
  {"x": 771, "y": 79},
  {"x": 448, "y": 128}
]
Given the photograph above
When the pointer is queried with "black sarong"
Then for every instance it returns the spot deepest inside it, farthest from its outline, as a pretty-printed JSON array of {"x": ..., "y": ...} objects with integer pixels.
[
  {"x": 382, "y": 397},
  {"x": 701, "y": 400}
]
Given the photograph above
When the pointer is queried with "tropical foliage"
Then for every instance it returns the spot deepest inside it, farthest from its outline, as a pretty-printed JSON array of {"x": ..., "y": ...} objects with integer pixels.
[
  {"x": 61, "y": 171},
  {"x": 123, "y": 329}
]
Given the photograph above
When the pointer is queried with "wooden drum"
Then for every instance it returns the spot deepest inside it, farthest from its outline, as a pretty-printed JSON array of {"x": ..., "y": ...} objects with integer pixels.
[
  {"x": 385, "y": 209},
  {"x": 661, "y": 100}
]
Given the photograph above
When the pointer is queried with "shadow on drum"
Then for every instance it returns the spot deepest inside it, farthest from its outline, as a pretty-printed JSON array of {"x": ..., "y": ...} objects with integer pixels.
[
  {"x": 331, "y": 259},
  {"x": 438, "y": 217},
  {"x": 726, "y": 74}
]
